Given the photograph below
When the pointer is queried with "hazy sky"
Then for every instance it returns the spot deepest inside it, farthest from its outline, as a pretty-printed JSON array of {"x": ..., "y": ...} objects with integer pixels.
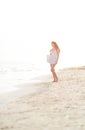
[{"x": 28, "y": 26}]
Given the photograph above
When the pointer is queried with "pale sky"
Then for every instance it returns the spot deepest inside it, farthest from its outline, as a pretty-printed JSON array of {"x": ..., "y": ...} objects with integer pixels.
[{"x": 28, "y": 26}]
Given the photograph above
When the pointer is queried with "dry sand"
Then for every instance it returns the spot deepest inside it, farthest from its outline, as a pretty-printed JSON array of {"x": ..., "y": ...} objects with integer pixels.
[{"x": 54, "y": 106}]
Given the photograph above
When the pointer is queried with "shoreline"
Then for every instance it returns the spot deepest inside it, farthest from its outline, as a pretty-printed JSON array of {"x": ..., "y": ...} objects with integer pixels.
[
  {"x": 23, "y": 89},
  {"x": 20, "y": 91}
]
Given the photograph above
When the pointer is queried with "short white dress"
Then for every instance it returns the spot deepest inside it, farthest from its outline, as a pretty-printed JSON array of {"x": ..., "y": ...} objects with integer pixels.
[{"x": 53, "y": 57}]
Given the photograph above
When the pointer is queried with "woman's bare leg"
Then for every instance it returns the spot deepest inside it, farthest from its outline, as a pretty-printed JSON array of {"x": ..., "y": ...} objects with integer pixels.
[
  {"x": 55, "y": 77},
  {"x": 54, "y": 73}
]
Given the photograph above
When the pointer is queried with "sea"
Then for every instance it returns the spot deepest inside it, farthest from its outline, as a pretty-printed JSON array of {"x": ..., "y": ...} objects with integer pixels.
[{"x": 13, "y": 74}]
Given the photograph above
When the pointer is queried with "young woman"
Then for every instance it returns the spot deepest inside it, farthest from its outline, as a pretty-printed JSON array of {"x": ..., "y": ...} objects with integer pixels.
[{"x": 53, "y": 59}]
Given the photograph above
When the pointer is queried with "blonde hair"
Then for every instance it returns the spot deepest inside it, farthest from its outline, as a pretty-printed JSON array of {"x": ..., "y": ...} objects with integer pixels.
[{"x": 56, "y": 46}]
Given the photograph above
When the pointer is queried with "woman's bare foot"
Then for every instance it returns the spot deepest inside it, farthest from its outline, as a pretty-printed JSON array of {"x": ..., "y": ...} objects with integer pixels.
[{"x": 56, "y": 80}]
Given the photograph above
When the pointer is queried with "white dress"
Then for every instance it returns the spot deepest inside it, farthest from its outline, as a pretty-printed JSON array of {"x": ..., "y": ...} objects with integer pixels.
[{"x": 53, "y": 57}]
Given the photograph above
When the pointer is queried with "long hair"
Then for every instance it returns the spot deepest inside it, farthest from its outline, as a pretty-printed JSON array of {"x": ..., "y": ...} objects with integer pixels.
[{"x": 56, "y": 47}]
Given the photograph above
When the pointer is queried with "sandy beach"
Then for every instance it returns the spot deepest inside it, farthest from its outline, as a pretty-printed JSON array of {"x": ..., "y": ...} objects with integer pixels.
[{"x": 51, "y": 106}]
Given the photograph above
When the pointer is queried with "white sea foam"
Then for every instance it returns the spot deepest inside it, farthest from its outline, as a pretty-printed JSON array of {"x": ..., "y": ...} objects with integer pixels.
[{"x": 14, "y": 74}]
